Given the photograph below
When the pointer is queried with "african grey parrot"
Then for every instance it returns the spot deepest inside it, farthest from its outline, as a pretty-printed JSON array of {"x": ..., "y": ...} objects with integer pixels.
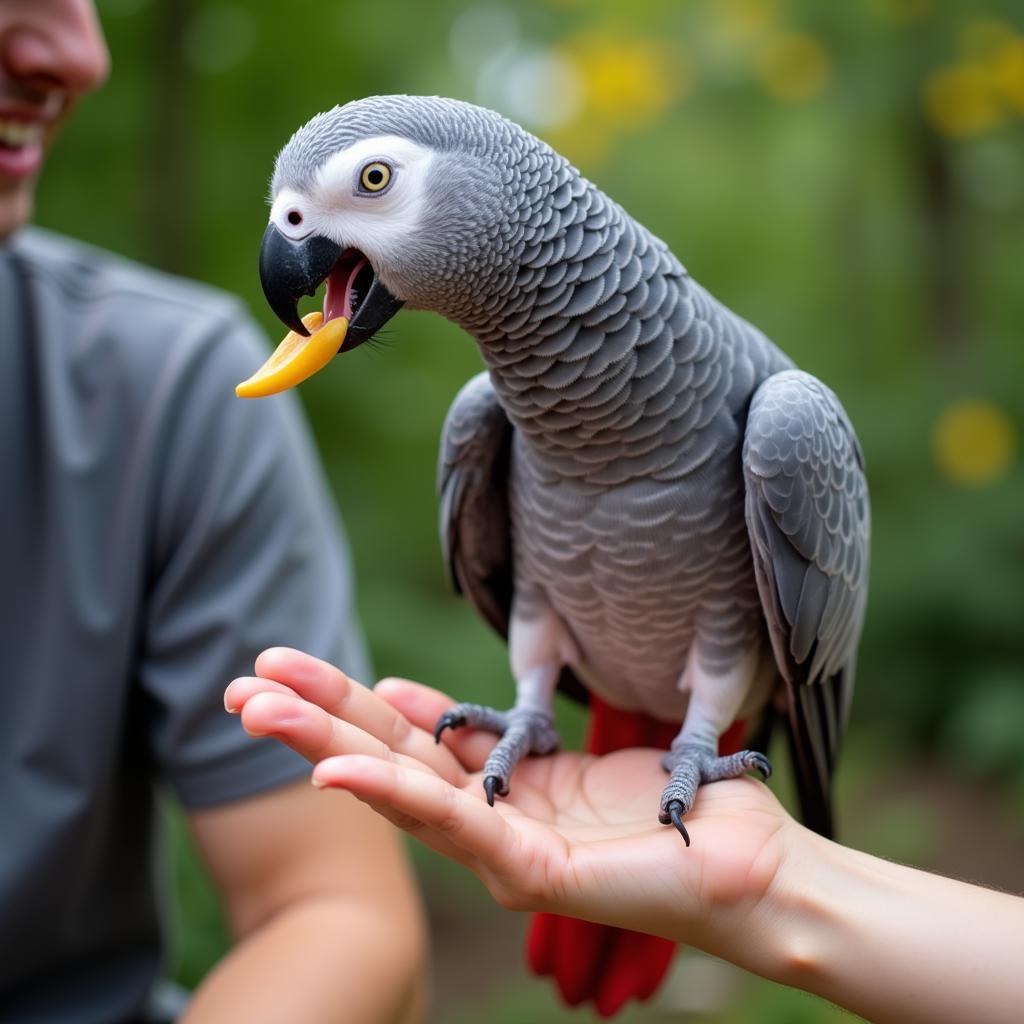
[{"x": 641, "y": 492}]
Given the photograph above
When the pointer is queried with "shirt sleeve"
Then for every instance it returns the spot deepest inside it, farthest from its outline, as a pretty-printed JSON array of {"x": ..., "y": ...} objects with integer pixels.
[{"x": 248, "y": 553}]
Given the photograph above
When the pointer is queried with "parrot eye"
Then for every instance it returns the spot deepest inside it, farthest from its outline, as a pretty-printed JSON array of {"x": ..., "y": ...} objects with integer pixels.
[
  {"x": 294, "y": 217},
  {"x": 374, "y": 177}
]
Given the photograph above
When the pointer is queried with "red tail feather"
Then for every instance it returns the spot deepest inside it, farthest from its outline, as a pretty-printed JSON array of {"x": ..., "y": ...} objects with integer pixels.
[{"x": 609, "y": 966}]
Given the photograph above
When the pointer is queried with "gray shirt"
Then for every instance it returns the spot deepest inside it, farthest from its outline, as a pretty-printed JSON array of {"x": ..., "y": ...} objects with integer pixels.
[{"x": 156, "y": 533}]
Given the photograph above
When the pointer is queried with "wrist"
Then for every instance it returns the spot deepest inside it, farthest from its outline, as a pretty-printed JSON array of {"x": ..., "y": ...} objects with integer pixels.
[
  {"x": 891, "y": 943},
  {"x": 823, "y": 919},
  {"x": 792, "y": 930},
  {"x": 758, "y": 920}
]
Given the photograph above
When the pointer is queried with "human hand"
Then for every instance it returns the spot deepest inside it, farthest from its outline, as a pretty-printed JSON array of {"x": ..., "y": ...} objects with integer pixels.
[{"x": 578, "y": 834}]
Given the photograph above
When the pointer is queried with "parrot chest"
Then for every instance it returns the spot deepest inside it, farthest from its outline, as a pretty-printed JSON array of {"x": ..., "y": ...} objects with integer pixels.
[{"x": 639, "y": 573}]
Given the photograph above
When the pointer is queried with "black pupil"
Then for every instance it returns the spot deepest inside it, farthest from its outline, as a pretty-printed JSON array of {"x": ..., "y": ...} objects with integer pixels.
[
  {"x": 294, "y": 217},
  {"x": 375, "y": 176}
]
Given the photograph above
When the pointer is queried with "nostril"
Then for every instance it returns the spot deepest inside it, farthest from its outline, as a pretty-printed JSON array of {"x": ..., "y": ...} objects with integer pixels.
[{"x": 294, "y": 218}]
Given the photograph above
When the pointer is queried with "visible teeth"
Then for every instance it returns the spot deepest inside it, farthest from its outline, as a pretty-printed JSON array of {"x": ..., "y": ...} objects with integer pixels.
[{"x": 20, "y": 133}]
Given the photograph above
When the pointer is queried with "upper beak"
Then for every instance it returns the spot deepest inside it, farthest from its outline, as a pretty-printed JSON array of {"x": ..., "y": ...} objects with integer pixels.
[{"x": 289, "y": 270}]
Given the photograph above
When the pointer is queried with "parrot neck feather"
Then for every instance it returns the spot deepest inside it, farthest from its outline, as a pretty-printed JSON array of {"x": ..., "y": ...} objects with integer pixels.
[{"x": 610, "y": 361}]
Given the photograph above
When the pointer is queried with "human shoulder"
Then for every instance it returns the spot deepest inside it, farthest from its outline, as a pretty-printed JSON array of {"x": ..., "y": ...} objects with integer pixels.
[
  {"x": 83, "y": 272},
  {"x": 102, "y": 299},
  {"x": 132, "y": 335}
]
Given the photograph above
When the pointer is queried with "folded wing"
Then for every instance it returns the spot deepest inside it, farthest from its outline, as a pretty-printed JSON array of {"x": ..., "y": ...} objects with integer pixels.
[{"x": 809, "y": 522}]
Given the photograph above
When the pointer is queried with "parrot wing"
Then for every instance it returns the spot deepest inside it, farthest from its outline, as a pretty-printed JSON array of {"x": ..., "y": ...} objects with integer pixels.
[
  {"x": 809, "y": 523},
  {"x": 472, "y": 481}
]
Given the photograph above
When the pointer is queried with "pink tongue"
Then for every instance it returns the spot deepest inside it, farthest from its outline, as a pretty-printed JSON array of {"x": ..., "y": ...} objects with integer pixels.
[
  {"x": 337, "y": 286},
  {"x": 338, "y": 298}
]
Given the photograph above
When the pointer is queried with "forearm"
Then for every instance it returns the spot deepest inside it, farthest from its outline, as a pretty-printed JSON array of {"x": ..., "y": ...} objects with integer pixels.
[
  {"x": 320, "y": 960},
  {"x": 891, "y": 943}
]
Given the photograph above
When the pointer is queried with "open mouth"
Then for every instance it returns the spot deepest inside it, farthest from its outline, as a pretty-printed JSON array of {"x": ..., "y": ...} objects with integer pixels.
[
  {"x": 356, "y": 305},
  {"x": 21, "y": 147},
  {"x": 348, "y": 283},
  {"x": 15, "y": 134}
]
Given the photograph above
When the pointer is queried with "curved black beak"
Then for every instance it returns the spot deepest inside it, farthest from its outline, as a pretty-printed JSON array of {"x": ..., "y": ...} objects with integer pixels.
[{"x": 289, "y": 270}]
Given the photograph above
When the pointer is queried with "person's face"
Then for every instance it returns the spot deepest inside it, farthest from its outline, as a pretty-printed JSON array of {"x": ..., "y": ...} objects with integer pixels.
[{"x": 51, "y": 53}]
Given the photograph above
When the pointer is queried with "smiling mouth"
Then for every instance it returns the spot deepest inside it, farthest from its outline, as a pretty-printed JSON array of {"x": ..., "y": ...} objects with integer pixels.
[
  {"x": 24, "y": 122},
  {"x": 18, "y": 134},
  {"x": 21, "y": 147}
]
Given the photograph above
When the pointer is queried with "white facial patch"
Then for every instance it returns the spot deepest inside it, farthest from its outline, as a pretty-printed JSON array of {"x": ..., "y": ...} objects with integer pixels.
[{"x": 338, "y": 209}]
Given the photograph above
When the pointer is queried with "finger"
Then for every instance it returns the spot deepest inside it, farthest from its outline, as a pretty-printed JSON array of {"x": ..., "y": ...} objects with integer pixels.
[
  {"x": 240, "y": 690},
  {"x": 447, "y": 813},
  {"x": 307, "y": 729},
  {"x": 423, "y": 706},
  {"x": 421, "y": 833},
  {"x": 329, "y": 688}
]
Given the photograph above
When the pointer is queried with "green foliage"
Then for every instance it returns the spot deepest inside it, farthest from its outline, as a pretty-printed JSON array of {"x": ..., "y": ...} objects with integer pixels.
[
  {"x": 195, "y": 925},
  {"x": 983, "y": 733},
  {"x": 799, "y": 158}
]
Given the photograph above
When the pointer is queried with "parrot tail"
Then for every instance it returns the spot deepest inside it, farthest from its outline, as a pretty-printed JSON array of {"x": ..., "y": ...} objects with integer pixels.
[{"x": 609, "y": 966}]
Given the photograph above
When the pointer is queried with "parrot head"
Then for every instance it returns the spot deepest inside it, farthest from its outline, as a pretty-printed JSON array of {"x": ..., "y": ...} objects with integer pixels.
[{"x": 393, "y": 201}]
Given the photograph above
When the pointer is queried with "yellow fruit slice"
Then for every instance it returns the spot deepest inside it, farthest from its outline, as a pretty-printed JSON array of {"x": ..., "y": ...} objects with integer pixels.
[{"x": 296, "y": 358}]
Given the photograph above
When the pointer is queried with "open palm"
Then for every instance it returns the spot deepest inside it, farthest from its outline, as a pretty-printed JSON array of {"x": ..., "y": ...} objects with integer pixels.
[{"x": 578, "y": 834}]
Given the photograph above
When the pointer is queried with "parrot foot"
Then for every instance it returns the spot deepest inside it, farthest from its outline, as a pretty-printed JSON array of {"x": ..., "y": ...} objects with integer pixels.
[
  {"x": 690, "y": 766},
  {"x": 522, "y": 730},
  {"x": 476, "y": 716}
]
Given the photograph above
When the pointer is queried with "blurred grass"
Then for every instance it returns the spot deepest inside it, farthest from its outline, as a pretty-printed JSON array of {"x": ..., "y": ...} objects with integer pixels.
[{"x": 875, "y": 238}]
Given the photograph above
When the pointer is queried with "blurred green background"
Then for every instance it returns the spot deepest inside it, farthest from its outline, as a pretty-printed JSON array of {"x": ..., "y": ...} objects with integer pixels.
[{"x": 850, "y": 177}]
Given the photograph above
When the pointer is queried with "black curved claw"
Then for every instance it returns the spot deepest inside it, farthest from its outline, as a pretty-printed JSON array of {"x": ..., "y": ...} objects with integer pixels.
[
  {"x": 763, "y": 765},
  {"x": 492, "y": 783},
  {"x": 449, "y": 720},
  {"x": 675, "y": 810}
]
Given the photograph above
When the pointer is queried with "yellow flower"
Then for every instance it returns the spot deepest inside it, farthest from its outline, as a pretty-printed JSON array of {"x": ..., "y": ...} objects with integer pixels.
[
  {"x": 974, "y": 442},
  {"x": 793, "y": 66},
  {"x": 998, "y": 51},
  {"x": 1007, "y": 73},
  {"x": 960, "y": 101},
  {"x": 625, "y": 83},
  {"x": 628, "y": 80}
]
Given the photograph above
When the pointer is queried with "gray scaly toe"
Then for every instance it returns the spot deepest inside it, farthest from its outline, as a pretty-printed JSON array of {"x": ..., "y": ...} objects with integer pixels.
[
  {"x": 691, "y": 765},
  {"x": 522, "y": 730}
]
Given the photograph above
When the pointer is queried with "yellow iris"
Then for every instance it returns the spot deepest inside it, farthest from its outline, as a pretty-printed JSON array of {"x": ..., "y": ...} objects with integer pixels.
[{"x": 375, "y": 177}]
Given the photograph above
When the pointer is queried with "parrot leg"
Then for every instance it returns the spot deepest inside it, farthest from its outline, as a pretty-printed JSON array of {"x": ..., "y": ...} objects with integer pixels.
[
  {"x": 692, "y": 760},
  {"x": 539, "y": 645}
]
